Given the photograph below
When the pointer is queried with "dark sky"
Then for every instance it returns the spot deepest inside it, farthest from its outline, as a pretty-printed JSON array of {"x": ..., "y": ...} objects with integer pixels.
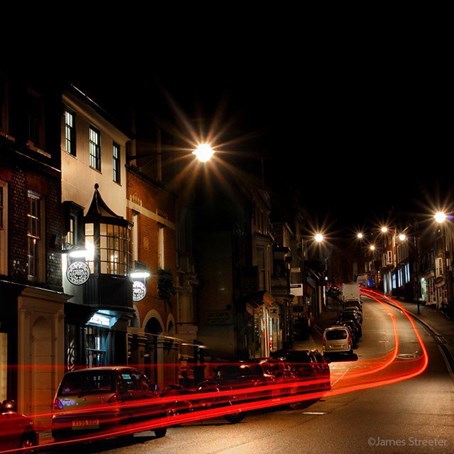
[{"x": 360, "y": 128}]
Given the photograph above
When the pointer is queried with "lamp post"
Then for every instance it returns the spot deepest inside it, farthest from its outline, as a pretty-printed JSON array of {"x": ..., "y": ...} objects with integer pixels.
[{"x": 440, "y": 218}]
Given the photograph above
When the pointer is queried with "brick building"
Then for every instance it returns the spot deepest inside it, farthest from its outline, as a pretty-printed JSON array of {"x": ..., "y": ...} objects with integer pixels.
[{"x": 31, "y": 221}]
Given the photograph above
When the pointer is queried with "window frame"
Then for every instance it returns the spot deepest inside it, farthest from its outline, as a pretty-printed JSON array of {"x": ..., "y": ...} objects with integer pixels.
[
  {"x": 96, "y": 146},
  {"x": 71, "y": 140},
  {"x": 116, "y": 163},
  {"x": 38, "y": 251}
]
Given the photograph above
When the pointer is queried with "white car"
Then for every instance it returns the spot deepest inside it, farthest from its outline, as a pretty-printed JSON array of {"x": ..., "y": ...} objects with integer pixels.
[{"x": 337, "y": 339}]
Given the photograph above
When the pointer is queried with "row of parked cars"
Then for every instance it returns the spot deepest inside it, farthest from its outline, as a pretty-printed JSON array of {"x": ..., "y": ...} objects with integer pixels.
[
  {"x": 344, "y": 336},
  {"x": 114, "y": 398}
]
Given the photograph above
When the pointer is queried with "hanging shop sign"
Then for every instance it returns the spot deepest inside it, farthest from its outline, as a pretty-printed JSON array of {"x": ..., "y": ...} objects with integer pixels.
[
  {"x": 139, "y": 290},
  {"x": 78, "y": 273}
]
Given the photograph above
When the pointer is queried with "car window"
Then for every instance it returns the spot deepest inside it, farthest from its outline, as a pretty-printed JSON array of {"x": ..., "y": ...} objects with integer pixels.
[
  {"x": 298, "y": 357},
  {"x": 127, "y": 382},
  {"x": 87, "y": 382},
  {"x": 336, "y": 334}
]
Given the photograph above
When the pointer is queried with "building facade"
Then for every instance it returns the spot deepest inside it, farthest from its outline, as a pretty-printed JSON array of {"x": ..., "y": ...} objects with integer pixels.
[{"x": 31, "y": 221}]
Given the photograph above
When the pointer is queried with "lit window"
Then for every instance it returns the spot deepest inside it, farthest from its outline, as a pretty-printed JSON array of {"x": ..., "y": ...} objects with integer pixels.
[
  {"x": 70, "y": 133},
  {"x": 95, "y": 148}
]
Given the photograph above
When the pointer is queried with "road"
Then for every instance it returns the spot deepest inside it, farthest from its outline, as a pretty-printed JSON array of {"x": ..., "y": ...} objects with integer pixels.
[{"x": 387, "y": 398}]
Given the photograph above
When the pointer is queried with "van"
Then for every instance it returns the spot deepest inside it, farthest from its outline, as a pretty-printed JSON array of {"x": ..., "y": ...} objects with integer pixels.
[{"x": 337, "y": 339}]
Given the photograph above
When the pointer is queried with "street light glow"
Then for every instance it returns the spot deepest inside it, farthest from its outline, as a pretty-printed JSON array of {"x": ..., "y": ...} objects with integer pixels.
[
  {"x": 372, "y": 247},
  {"x": 203, "y": 152},
  {"x": 318, "y": 237},
  {"x": 360, "y": 235},
  {"x": 440, "y": 217},
  {"x": 402, "y": 236},
  {"x": 384, "y": 229}
]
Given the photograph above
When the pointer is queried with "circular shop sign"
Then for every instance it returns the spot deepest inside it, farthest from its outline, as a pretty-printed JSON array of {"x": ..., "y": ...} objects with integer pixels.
[
  {"x": 78, "y": 273},
  {"x": 138, "y": 291}
]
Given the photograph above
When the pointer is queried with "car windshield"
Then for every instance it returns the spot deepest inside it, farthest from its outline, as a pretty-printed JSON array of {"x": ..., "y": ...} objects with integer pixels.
[
  {"x": 86, "y": 383},
  {"x": 336, "y": 334}
]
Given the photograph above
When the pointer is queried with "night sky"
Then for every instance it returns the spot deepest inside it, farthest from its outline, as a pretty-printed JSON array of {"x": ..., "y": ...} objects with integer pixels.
[{"x": 360, "y": 129}]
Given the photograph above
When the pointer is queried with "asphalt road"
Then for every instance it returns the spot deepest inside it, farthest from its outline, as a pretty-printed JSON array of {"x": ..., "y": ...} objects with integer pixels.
[{"x": 385, "y": 399}]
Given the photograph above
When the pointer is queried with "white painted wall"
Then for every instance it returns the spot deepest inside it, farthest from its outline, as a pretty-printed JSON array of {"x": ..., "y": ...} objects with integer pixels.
[{"x": 78, "y": 178}]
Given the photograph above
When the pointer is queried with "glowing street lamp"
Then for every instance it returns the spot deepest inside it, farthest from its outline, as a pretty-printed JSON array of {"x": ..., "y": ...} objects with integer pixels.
[
  {"x": 203, "y": 152},
  {"x": 372, "y": 247},
  {"x": 384, "y": 229},
  {"x": 402, "y": 236},
  {"x": 319, "y": 238},
  {"x": 440, "y": 217},
  {"x": 360, "y": 235}
]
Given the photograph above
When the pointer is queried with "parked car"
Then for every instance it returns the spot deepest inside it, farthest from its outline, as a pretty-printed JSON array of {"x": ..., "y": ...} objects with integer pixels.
[
  {"x": 16, "y": 430},
  {"x": 103, "y": 398},
  {"x": 337, "y": 339},
  {"x": 243, "y": 381},
  {"x": 309, "y": 365}
]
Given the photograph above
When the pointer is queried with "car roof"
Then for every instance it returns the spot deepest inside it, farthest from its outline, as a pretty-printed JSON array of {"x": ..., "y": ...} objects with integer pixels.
[
  {"x": 332, "y": 328},
  {"x": 104, "y": 369}
]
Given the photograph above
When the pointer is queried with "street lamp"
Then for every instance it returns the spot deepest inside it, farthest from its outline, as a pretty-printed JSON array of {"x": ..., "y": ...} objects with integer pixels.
[
  {"x": 440, "y": 218},
  {"x": 203, "y": 152},
  {"x": 319, "y": 238}
]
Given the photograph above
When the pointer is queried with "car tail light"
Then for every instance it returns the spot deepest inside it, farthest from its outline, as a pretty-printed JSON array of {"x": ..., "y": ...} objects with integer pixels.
[{"x": 58, "y": 405}]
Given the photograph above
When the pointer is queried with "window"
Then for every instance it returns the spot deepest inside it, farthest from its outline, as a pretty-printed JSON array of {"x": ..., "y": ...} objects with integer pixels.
[
  {"x": 261, "y": 268},
  {"x": 35, "y": 117},
  {"x": 135, "y": 237},
  {"x": 116, "y": 162},
  {"x": 113, "y": 248},
  {"x": 438, "y": 267},
  {"x": 389, "y": 257},
  {"x": 94, "y": 141},
  {"x": 3, "y": 227},
  {"x": 34, "y": 235},
  {"x": 3, "y": 105},
  {"x": 71, "y": 234},
  {"x": 161, "y": 251},
  {"x": 70, "y": 133}
]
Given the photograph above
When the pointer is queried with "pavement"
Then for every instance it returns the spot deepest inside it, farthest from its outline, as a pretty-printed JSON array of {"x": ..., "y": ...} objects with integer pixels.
[{"x": 437, "y": 323}]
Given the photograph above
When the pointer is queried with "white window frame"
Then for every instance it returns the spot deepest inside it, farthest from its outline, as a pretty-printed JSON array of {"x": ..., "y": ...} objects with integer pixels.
[
  {"x": 4, "y": 230},
  {"x": 70, "y": 132},
  {"x": 439, "y": 266},
  {"x": 39, "y": 261},
  {"x": 94, "y": 148},
  {"x": 116, "y": 163}
]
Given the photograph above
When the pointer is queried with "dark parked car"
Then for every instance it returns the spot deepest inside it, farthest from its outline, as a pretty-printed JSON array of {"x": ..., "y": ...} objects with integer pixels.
[
  {"x": 104, "y": 398},
  {"x": 16, "y": 430},
  {"x": 239, "y": 382},
  {"x": 310, "y": 365}
]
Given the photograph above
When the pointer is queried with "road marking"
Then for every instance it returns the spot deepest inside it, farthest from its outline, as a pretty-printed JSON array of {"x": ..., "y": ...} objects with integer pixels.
[{"x": 314, "y": 413}]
